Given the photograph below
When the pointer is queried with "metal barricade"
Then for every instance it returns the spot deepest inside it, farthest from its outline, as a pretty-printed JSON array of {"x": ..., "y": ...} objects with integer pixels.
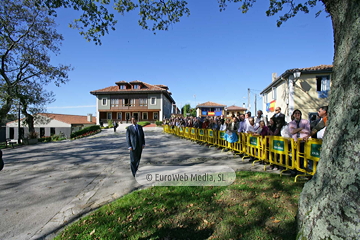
[
  {"x": 307, "y": 156},
  {"x": 253, "y": 147},
  {"x": 211, "y": 137},
  {"x": 240, "y": 145},
  {"x": 280, "y": 151},
  {"x": 221, "y": 142},
  {"x": 193, "y": 134},
  {"x": 187, "y": 133},
  {"x": 201, "y": 136},
  {"x": 180, "y": 132}
]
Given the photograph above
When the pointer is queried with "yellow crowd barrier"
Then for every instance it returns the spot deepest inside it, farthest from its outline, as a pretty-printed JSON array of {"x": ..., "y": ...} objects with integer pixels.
[
  {"x": 273, "y": 150},
  {"x": 280, "y": 152},
  {"x": 201, "y": 136}
]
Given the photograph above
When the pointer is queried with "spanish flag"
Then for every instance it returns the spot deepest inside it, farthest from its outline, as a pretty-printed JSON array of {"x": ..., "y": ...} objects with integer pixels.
[
  {"x": 272, "y": 105},
  {"x": 211, "y": 114}
]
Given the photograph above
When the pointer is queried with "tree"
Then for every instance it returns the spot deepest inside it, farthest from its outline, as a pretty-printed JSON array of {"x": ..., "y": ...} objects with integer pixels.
[
  {"x": 27, "y": 35},
  {"x": 193, "y": 112},
  {"x": 186, "y": 109},
  {"x": 329, "y": 204}
]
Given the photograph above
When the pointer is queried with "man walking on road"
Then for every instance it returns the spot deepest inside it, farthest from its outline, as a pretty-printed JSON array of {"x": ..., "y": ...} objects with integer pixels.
[{"x": 136, "y": 142}]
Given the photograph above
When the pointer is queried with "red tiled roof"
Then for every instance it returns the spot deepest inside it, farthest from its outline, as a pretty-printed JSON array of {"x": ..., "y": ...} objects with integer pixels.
[
  {"x": 210, "y": 104},
  {"x": 162, "y": 86},
  {"x": 315, "y": 68},
  {"x": 236, "y": 108},
  {"x": 319, "y": 68},
  {"x": 71, "y": 119},
  {"x": 148, "y": 87}
]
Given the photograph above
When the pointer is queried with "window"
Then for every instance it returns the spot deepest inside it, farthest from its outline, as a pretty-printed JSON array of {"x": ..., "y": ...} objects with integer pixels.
[
  {"x": 156, "y": 115},
  {"x": 128, "y": 102},
  {"x": 145, "y": 116},
  {"x": 119, "y": 116},
  {"x": 109, "y": 115},
  {"x": 136, "y": 86},
  {"x": 143, "y": 102},
  {"x": 42, "y": 132},
  {"x": 153, "y": 101},
  {"x": 114, "y": 102},
  {"x": 52, "y": 131},
  {"x": 217, "y": 110},
  {"x": 127, "y": 116},
  {"x": 274, "y": 93},
  {"x": 323, "y": 83},
  {"x": 104, "y": 102},
  {"x": 132, "y": 102},
  {"x": 122, "y": 87},
  {"x": 12, "y": 133}
]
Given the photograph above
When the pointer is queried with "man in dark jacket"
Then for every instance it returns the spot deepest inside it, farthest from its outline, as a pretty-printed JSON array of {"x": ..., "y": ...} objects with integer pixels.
[
  {"x": 135, "y": 140},
  {"x": 279, "y": 120}
]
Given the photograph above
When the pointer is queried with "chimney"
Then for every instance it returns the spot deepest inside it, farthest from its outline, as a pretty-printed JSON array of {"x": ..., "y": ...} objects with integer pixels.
[
  {"x": 273, "y": 76},
  {"x": 89, "y": 117}
]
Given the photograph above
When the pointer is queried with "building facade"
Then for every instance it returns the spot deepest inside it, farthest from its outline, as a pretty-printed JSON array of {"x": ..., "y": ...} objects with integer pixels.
[
  {"x": 48, "y": 124},
  {"x": 305, "y": 89},
  {"x": 209, "y": 109},
  {"x": 144, "y": 101},
  {"x": 234, "y": 111}
]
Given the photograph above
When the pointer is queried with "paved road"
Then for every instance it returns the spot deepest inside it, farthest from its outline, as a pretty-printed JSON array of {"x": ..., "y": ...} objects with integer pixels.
[{"x": 45, "y": 186}]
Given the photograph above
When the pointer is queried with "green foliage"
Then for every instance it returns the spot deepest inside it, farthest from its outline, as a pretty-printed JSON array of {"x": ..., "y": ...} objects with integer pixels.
[
  {"x": 96, "y": 20},
  {"x": 186, "y": 109},
  {"x": 158, "y": 123},
  {"x": 27, "y": 37},
  {"x": 193, "y": 112},
  {"x": 144, "y": 123},
  {"x": 110, "y": 123},
  {"x": 85, "y": 130},
  {"x": 255, "y": 206},
  {"x": 55, "y": 137},
  {"x": 45, "y": 139}
]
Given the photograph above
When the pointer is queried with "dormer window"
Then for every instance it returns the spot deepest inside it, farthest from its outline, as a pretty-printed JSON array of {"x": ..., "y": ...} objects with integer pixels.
[
  {"x": 122, "y": 87},
  {"x": 136, "y": 86}
]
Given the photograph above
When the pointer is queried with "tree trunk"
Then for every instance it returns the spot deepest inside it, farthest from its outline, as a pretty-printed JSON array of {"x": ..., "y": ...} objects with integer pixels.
[
  {"x": 5, "y": 109},
  {"x": 330, "y": 202}
]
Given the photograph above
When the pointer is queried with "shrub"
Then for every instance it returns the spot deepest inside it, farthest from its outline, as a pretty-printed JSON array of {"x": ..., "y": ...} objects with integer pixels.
[
  {"x": 85, "y": 130},
  {"x": 110, "y": 123},
  {"x": 45, "y": 139},
  {"x": 144, "y": 123},
  {"x": 158, "y": 123}
]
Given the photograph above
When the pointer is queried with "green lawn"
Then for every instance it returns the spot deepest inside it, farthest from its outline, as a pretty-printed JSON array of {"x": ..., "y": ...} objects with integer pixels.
[{"x": 257, "y": 205}]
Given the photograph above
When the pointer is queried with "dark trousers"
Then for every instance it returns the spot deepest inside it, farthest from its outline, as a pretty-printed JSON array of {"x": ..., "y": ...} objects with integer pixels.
[{"x": 135, "y": 160}]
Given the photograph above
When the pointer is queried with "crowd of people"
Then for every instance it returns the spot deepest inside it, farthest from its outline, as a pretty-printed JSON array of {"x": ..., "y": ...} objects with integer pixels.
[
  {"x": 258, "y": 125},
  {"x": 298, "y": 127}
]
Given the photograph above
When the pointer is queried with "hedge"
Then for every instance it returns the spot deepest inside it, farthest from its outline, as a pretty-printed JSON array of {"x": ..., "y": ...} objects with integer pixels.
[{"x": 85, "y": 130}]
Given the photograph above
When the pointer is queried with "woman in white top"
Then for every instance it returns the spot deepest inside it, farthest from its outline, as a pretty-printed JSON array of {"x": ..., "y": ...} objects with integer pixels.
[{"x": 222, "y": 125}]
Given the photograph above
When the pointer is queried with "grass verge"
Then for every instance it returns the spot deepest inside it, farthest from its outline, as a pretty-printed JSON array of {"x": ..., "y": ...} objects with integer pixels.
[{"x": 256, "y": 206}]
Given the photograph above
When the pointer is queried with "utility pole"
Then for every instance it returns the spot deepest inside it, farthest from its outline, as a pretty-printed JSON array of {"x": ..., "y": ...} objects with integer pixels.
[
  {"x": 249, "y": 108},
  {"x": 255, "y": 105}
]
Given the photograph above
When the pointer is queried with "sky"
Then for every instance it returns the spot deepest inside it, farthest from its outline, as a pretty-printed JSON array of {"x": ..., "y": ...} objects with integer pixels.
[{"x": 210, "y": 56}]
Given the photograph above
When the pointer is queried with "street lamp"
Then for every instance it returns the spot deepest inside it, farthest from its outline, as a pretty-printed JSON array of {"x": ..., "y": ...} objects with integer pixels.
[
  {"x": 296, "y": 74},
  {"x": 19, "y": 107}
]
